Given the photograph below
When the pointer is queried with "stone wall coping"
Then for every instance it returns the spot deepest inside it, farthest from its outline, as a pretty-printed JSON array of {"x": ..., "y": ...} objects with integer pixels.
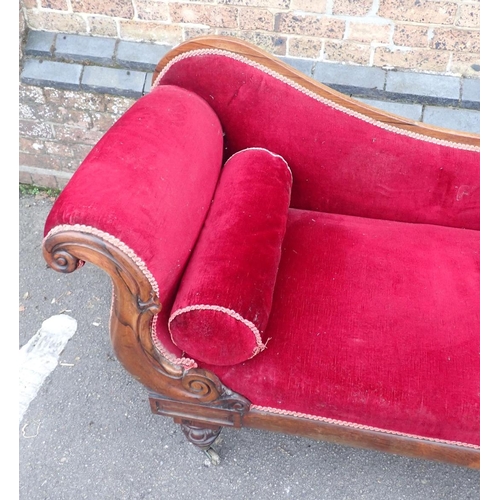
[{"x": 125, "y": 68}]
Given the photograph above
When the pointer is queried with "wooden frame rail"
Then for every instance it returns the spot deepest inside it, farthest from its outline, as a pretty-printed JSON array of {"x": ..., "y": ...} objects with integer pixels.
[
  {"x": 196, "y": 398},
  {"x": 257, "y": 55}
]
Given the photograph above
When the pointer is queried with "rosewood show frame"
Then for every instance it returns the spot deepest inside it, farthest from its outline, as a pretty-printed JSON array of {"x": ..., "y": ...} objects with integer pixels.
[{"x": 195, "y": 398}]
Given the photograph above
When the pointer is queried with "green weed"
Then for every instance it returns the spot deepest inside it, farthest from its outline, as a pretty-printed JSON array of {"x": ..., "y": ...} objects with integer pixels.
[{"x": 37, "y": 190}]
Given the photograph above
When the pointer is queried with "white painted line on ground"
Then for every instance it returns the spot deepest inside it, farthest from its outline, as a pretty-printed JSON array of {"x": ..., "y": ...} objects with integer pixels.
[{"x": 39, "y": 357}]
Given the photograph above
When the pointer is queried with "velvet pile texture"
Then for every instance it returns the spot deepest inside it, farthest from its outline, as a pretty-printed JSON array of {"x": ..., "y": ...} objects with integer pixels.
[
  {"x": 149, "y": 182},
  {"x": 341, "y": 163},
  {"x": 223, "y": 304},
  {"x": 375, "y": 317},
  {"x": 373, "y": 322},
  {"x": 375, "y": 307}
]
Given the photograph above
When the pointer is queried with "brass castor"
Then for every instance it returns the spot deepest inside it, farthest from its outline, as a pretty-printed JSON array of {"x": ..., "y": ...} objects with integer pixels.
[{"x": 213, "y": 456}]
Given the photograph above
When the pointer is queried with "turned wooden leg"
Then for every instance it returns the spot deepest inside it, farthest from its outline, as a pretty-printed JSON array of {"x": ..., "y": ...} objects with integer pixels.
[{"x": 202, "y": 436}]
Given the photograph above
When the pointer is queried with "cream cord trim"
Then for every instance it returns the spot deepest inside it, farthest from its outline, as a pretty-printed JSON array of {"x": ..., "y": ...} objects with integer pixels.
[
  {"x": 204, "y": 307},
  {"x": 185, "y": 362},
  {"x": 357, "y": 426},
  {"x": 310, "y": 93},
  {"x": 265, "y": 150}
]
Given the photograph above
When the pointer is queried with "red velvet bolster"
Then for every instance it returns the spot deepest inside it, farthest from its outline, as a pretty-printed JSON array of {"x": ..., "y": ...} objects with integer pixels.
[
  {"x": 225, "y": 297},
  {"x": 149, "y": 182}
]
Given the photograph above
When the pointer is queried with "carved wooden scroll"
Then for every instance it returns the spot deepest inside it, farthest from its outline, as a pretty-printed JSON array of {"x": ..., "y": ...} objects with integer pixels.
[{"x": 193, "y": 394}]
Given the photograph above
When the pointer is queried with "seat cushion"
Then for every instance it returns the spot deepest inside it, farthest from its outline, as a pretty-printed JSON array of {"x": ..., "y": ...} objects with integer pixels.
[
  {"x": 225, "y": 296},
  {"x": 374, "y": 323}
]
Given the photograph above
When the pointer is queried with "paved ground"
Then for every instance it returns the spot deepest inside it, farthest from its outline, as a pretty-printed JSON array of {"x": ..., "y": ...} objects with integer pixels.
[{"x": 89, "y": 433}]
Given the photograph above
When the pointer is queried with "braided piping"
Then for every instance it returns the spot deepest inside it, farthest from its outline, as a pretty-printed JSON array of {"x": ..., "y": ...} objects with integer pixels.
[
  {"x": 357, "y": 426},
  {"x": 204, "y": 307},
  {"x": 313, "y": 95},
  {"x": 112, "y": 240}
]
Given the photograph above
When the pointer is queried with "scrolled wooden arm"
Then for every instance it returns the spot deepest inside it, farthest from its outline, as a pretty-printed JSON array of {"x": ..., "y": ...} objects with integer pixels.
[{"x": 133, "y": 306}]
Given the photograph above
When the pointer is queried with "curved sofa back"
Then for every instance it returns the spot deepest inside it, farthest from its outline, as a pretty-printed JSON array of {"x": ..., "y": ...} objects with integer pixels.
[{"x": 343, "y": 161}]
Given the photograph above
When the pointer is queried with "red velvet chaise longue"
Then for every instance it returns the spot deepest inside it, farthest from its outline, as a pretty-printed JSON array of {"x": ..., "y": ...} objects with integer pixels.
[{"x": 284, "y": 257}]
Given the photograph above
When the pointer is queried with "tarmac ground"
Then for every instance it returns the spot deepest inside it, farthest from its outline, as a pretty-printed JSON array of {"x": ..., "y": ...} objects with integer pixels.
[{"x": 89, "y": 432}]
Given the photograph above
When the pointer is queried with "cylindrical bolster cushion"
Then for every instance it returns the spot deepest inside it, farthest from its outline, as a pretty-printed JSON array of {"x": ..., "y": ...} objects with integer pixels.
[{"x": 225, "y": 296}]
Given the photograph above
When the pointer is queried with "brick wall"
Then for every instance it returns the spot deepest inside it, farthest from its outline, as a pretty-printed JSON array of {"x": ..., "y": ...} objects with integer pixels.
[
  {"x": 58, "y": 128},
  {"x": 421, "y": 35},
  {"x": 390, "y": 45}
]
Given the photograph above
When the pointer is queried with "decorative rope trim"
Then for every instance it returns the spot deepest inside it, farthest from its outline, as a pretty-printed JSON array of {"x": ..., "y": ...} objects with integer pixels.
[
  {"x": 310, "y": 93},
  {"x": 112, "y": 240},
  {"x": 276, "y": 155},
  {"x": 358, "y": 426},
  {"x": 204, "y": 307}
]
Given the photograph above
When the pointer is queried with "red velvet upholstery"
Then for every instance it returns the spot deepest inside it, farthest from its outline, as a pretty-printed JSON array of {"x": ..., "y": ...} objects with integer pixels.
[
  {"x": 375, "y": 313},
  {"x": 149, "y": 182},
  {"x": 373, "y": 322},
  {"x": 340, "y": 163},
  {"x": 225, "y": 297}
]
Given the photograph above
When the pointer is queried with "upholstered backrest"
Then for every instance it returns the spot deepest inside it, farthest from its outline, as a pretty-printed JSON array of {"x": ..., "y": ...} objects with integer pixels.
[{"x": 342, "y": 161}]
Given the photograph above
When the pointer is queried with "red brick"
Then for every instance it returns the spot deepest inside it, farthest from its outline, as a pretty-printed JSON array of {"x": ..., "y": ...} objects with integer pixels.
[
  {"x": 59, "y": 149},
  {"x": 465, "y": 64},
  {"x": 456, "y": 40},
  {"x": 31, "y": 93},
  {"x": 102, "y": 26},
  {"x": 44, "y": 180},
  {"x": 117, "y": 104},
  {"x": 56, "y": 114},
  {"x": 272, "y": 43},
  {"x": 347, "y": 52},
  {"x": 112, "y": 8},
  {"x": 410, "y": 35},
  {"x": 103, "y": 121},
  {"x": 54, "y": 4},
  {"x": 415, "y": 59},
  {"x": 216, "y": 16},
  {"x": 256, "y": 19},
  {"x": 80, "y": 151},
  {"x": 65, "y": 164},
  {"x": 26, "y": 111},
  {"x": 151, "y": 31},
  {"x": 318, "y": 6},
  {"x": 190, "y": 32},
  {"x": 468, "y": 15},
  {"x": 304, "y": 47},
  {"x": 38, "y": 161},
  {"x": 35, "y": 129},
  {"x": 25, "y": 177},
  {"x": 85, "y": 101},
  {"x": 32, "y": 146},
  {"x": 56, "y": 21},
  {"x": 421, "y": 11},
  {"x": 310, "y": 25},
  {"x": 356, "y": 8},
  {"x": 76, "y": 134},
  {"x": 61, "y": 182},
  {"x": 369, "y": 32},
  {"x": 152, "y": 10},
  {"x": 268, "y": 4}
]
